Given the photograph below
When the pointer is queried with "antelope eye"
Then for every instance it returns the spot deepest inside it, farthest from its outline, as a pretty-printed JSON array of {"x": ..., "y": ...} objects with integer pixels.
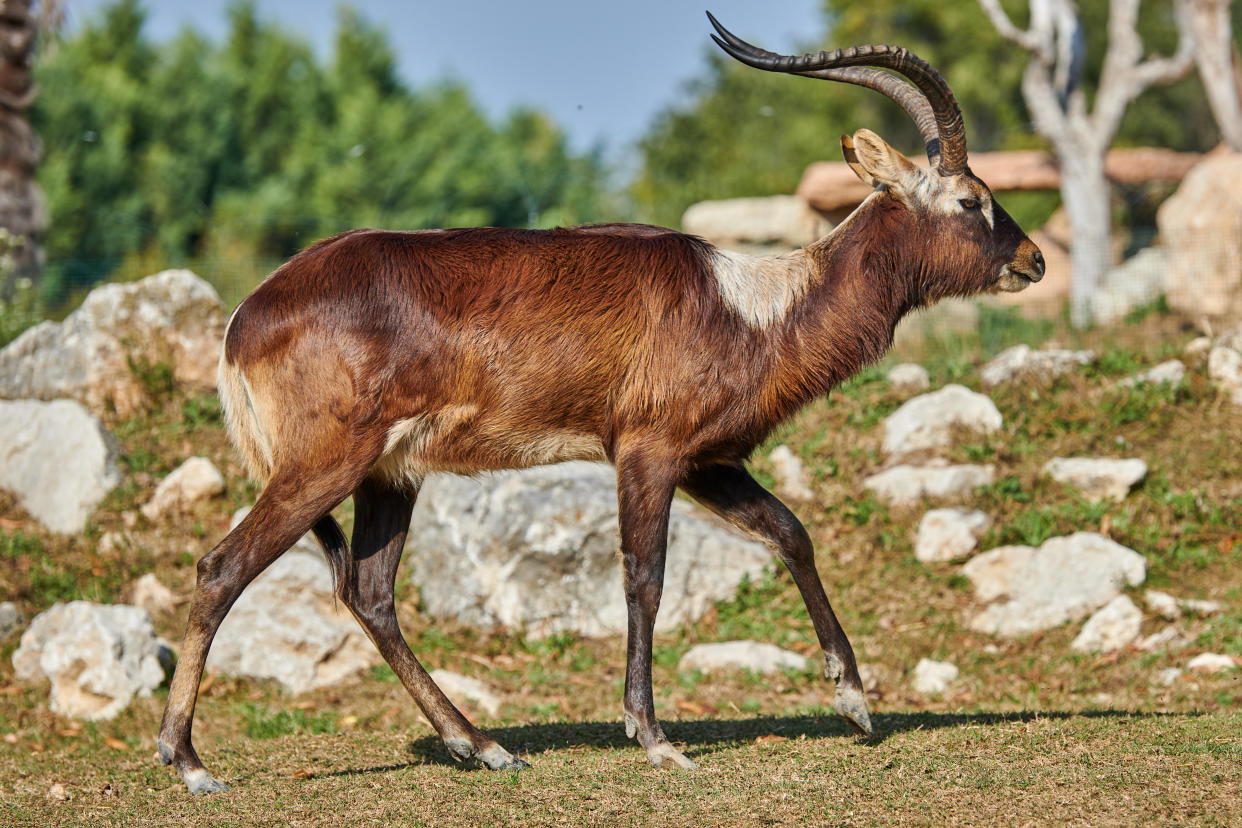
[{"x": 969, "y": 203}]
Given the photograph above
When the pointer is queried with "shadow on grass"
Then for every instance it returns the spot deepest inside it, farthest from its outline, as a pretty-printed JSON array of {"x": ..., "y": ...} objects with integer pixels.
[{"x": 710, "y": 735}]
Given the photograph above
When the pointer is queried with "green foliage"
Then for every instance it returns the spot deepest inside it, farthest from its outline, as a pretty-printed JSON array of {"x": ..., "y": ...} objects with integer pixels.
[
  {"x": 262, "y": 722},
  {"x": 23, "y": 310},
  {"x": 235, "y": 155}
]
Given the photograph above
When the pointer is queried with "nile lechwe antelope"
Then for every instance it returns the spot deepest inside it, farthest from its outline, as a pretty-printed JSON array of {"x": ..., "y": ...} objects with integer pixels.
[{"x": 372, "y": 358}]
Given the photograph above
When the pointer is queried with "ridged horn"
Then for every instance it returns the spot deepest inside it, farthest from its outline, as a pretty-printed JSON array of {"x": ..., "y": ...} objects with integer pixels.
[{"x": 929, "y": 103}]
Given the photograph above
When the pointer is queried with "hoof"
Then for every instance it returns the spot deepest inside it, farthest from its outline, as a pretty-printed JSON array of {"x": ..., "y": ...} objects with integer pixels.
[
  {"x": 851, "y": 705},
  {"x": 497, "y": 758},
  {"x": 201, "y": 782},
  {"x": 656, "y": 754}
]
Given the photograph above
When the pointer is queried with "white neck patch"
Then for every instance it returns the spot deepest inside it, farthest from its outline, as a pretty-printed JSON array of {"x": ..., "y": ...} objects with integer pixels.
[{"x": 761, "y": 289}]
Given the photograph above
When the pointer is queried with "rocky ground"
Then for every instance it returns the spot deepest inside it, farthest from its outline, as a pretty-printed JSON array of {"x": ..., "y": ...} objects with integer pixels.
[{"x": 982, "y": 567}]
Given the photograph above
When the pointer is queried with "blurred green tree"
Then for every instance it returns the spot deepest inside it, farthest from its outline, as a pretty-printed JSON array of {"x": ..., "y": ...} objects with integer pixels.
[{"x": 164, "y": 154}]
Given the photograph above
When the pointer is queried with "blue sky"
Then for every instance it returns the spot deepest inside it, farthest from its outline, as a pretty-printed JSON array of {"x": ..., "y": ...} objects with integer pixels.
[{"x": 601, "y": 69}]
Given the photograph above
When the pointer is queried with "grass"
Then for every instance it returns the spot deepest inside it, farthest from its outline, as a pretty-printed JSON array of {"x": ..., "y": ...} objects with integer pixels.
[{"x": 1030, "y": 733}]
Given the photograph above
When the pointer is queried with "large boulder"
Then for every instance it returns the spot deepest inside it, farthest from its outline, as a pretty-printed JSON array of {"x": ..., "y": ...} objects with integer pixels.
[
  {"x": 1028, "y": 589},
  {"x": 928, "y": 420},
  {"x": 756, "y": 225},
  {"x": 288, "y": 626},
  {"x": 58, "y": 459},
  {"x": 173, "y": 319},
  {"x": 97, "y": 657},
  {"x": 537, "y": 549},
  {"x": 1201, "y": 226}
]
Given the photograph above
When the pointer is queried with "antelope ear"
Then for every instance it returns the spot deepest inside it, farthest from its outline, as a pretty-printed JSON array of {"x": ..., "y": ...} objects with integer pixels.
[{"x": 878, "y": 164}]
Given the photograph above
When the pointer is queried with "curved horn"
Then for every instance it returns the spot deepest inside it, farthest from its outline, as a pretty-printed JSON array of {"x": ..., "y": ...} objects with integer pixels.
[{"x": 931, "y": 106}]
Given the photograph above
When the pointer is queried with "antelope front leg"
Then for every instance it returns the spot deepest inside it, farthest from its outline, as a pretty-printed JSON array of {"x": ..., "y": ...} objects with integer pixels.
[
  {"x": 732, "y": 493},
  {"x": 644, "y": 494}
]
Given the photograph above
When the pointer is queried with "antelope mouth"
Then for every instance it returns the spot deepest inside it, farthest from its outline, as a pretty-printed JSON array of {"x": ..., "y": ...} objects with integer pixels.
[{"x": 1012, "y": 280}]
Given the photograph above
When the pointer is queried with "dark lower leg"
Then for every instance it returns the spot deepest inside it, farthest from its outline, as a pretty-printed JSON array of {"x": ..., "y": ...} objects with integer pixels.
[
  {"x": 381, "y": 520},
  {"x": 733, "y": 494},
  {"x": 644, "y": 495}
]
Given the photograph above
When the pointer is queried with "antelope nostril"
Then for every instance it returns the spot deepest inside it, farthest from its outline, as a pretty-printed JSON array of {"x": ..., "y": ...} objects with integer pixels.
[{"x": 1038, "y": 258}]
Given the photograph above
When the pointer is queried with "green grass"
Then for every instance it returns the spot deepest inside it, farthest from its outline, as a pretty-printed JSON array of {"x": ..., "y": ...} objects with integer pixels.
[{"x": 262, "y": 722}]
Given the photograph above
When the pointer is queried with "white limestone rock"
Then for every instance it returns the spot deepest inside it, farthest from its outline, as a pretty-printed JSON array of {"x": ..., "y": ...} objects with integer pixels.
[
  {"x": 949, "y": 534},
  {"x": 1198, "y": 347},
  {"x": 1097, "y": 478},
  {"x": 288, "y": 626},
  {"x": 933, "y": 678},
  {"x": 928, "y": 420},
  {"x": 1024, "y": 362},
  {"x": 1163, "y": 604},
  {"x": 756, "y": 225},
  {"x": 1169, "y": 372},
  {"x": 537, "y": 550},
  {"x": 194, "y": 480},
  {"x": 1225, "y": 370},
  {"x": 909, "y": 376},
  {"x": 1211, "y": 663},
  {"x": 58, "y": 459},
  {"x": 792, "y": 479},
  {"x": 904, "y": 485},
  {"x": 173, "y": 318},
  {"x": 1112, "y": 627},
  {"x": 755, "y": 656},
  {"x": 1168, "y": 676},
  {"x": 10, "y": 619},
  {"x": 148, "y": 593},
  {"x": 97, "y": 657},
  {"x": 1028, "y": 589},
  {"x": 458, "y": 688}
]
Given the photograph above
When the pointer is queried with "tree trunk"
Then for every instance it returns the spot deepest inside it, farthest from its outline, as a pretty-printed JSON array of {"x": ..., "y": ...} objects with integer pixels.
[
  {"x": 21, "y": 204},
  {"x": 1085, "y": 193},
  {"x": 1217, "y": 61}
]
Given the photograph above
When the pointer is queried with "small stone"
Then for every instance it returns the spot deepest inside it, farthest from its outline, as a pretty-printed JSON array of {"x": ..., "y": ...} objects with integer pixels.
[
  {"x": 791, "y": 478},
  {"x": 1197, "y": 607},
  {"x": 903, "y": 485},
  {"x": 194, "y": 480},
  {"x": 1162, "y": 640},
  {"x": 10, "y": 619},
  {"x": 909, "y": 376},
  {"x": 1225, "y": 370},
  {"x": 456, "y": 686},
  {"x": 947, "y": 534},
  {"x": 740, "y": 655},
  {"x": 934, "y": 677},
  {"x": 58, "y": 793},
  {"x": 1171, "y": 372},
  {"x": 148, "y": 593},
  {"x": 1022, "y": 361},
  {"x": 1211, "y": 663},
  {"x": 1168, "y": 676},
  {"x": 1197, "y": 347},
  {"x": 1114, "y": 626},
  {"x": 1097, "y": 478},
  {"x": 928, "y": 420},
  {"x": 1163, "y": 604}
]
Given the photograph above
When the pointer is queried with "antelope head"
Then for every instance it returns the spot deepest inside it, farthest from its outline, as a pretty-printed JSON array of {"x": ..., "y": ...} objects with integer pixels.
[{"x": 967, "y": 242}]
